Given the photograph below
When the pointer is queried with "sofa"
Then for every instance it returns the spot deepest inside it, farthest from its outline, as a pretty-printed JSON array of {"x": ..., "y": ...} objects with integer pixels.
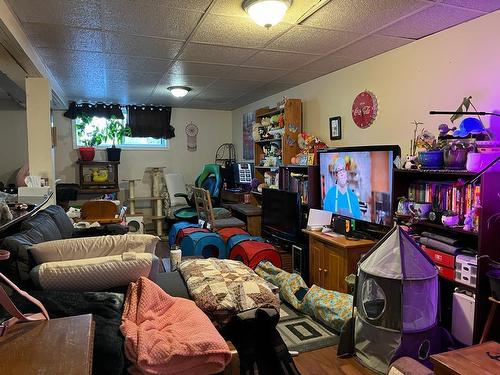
[{"x": 48, "y": 253}]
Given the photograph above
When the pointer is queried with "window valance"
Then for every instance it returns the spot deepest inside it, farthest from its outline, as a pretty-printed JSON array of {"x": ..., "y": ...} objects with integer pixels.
[
  {"x": 98, "y": 110},
  {"x": 150, "y": 121}
]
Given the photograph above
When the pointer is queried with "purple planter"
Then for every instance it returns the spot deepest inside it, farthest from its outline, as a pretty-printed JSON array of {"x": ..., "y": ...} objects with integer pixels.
[{"x": 431, "y": 159}]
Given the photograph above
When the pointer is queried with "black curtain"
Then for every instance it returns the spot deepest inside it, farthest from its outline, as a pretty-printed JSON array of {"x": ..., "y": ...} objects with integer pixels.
[
  {"x": 150, "y": 121},
  {"x": 99, "y": 110}
]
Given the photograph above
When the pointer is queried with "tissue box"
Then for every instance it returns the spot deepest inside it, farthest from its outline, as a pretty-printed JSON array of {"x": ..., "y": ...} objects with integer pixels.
[{"x": 31, "y": 195}]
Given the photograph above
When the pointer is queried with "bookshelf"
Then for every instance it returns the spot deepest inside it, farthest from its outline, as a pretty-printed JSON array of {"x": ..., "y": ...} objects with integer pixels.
[
  {"x": 484, "y": 241},
  {"x": 303, "y": 179}
]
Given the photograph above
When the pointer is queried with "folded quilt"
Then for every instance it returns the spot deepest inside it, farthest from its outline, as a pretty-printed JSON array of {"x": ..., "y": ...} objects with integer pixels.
[
  {"x": 169, "y": 335},
  {"x": 223, "y": 288}
]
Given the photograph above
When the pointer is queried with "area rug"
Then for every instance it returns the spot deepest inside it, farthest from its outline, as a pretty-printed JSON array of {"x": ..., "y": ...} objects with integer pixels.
[{"x": 302, "y": 333}]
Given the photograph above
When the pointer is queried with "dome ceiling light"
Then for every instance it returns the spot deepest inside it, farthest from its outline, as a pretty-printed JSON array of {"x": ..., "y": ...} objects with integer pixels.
[
  {"x": 179, "y": 91},
  {"x": 266, "y": 13}
]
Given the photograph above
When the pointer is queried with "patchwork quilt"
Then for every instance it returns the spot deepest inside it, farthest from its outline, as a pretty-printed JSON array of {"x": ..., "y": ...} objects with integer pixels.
[{"x": 223, "y": 288}]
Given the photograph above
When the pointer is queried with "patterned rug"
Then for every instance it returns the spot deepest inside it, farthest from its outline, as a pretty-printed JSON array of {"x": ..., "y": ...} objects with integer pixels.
[{"x": 303, "y": 334}]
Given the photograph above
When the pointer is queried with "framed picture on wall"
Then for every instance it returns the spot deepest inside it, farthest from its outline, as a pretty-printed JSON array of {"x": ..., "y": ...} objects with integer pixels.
[{"x": 335, "y": 128}]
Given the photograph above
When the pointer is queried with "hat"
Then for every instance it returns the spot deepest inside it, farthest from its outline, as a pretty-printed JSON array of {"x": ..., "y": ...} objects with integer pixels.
[{"x": 339, "y": 164}]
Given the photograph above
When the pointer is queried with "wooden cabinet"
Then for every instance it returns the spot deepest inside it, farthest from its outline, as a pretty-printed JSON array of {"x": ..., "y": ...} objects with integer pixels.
[
  {"x": 331, "y": 259},
  {"x": 281, "y": 139}
]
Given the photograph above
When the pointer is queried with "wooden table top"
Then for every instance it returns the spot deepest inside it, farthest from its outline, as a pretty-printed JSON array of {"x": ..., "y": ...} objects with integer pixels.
[
  {"x": 476, "y": 359},
  {"x": 57, "y": 346},
  {"x": 339, "y": 240}
]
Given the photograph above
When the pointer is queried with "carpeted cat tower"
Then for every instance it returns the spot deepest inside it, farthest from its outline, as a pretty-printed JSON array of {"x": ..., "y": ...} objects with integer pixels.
[{"x": 397, "y": 304}]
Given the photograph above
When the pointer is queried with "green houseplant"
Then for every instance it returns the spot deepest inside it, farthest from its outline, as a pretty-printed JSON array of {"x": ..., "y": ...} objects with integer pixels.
[
  {"x": 116, "y": 131},
  {"x": 430, "y": 155},
  {"x": 90, "y": 137}
]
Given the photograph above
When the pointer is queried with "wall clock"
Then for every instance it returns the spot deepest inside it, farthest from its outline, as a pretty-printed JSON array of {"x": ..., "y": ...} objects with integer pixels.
[
  {"x": 191, "y": 132},
  {"x": 364, "y": 109}
]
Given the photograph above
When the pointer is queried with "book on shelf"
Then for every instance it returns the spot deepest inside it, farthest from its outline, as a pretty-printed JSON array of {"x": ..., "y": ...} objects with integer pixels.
[{"x": 446, "y": 196}]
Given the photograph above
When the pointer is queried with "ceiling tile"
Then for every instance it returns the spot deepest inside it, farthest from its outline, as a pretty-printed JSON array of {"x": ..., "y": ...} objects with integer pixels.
[
  {"x": 272, "y": 88},
  {"x": 148, "y": 20},
  {"x": 362, "y": 16},
  {"x": 82, "y": 13},
  {"x": 135, "y": 63},
  {"x": 215, "y": 54},
  {"x": 254, "y": 74},
  {"x": 236, "y": 31},
  {"x": 219, "y": 95},
  {"x": 72, "y": 63},
  {"x": 141, "y": 46},
  {"x": 196, "y": 5},
  {"x": 429, "y": 21},
  {"x": 208, "y": 70},
  {"x": 329, "y": 64},
  {"x": 205, "y": 104},
  {"x": 272, "y": 59},
  {"x": 484, "y": 5},
  {"x": 137, "y": 79},
  {"x": 370, "y": 46},
  {"x": 185, "y": 80},
  {"x": 235, "y": 84},
  {"x": 64, "y": 37},
  {"x": 234, "y": 8},
  {"x": 310, "y": 40},
  {"x": 299, "y": 76}
]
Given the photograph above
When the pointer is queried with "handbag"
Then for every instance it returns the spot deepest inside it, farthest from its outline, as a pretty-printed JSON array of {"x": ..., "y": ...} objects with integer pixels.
[{"x": 8, "y": 305}]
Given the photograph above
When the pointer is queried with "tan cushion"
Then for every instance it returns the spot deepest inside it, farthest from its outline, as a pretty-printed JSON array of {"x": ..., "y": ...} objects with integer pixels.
[
  {"x": 93, "y": 247},
  {"x": 95, "y": 274}
]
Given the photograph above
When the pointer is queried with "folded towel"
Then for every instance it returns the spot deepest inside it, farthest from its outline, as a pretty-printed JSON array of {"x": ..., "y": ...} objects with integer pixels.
[
  {"x": 169, "y": 335},
  {"x": 438, "y": 245}
]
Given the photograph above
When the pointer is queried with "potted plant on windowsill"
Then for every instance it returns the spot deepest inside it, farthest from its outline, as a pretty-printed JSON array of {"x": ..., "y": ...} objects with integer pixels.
[
  {"x": 430, "y": 155},
  {"x": 116, "y": 131},
  {"x": 90, "y": 137}
]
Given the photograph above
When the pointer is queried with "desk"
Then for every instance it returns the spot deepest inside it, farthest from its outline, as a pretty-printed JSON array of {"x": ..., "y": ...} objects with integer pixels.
[
  {"x": 331, "y": 259},
  {"x": 250, "y": 214},
  {"x": 473, "y": 360},
  {"x": 57, "y": 346}
]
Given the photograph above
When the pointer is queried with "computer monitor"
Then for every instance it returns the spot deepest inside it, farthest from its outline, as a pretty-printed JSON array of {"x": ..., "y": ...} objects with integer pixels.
[{"x": 356, "y": 182}]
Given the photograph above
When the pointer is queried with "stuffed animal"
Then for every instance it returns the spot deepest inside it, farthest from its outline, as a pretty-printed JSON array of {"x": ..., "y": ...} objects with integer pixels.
[
  {"x": 255, "y": 132},
  {"x": 5, "y": 214},
  {"x": 73, "y": 213},
  {"x": 411, "y": 162}
]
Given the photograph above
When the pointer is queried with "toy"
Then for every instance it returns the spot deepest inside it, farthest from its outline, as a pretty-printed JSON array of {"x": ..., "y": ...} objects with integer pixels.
[
  {"x": 99, "y": 175},
  {"x": 411, "y": 162},
  {"x": 73, "y": 213},
  {"x": 255, "y": 132},
  {"x": 5, "y": 214}
]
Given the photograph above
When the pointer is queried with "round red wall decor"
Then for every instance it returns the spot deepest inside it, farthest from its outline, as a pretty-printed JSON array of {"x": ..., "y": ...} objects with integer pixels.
[{"x": 364, "y": 109}]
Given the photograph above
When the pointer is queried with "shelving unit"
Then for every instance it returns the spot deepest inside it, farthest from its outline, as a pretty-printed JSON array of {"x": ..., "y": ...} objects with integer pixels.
[
  {"x": 307, "y": 185},
  {"x": 292, "y": 112},
  {"x": 484, "y": 241}
]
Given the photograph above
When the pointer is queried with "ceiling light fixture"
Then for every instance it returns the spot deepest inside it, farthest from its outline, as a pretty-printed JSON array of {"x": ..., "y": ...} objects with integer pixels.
[
  {"x": 179, "y": 91},
  {"x": 266, "y": 13}
]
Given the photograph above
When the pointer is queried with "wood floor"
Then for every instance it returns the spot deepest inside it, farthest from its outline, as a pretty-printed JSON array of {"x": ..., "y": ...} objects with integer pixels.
[{"x": 324, "y": 361}]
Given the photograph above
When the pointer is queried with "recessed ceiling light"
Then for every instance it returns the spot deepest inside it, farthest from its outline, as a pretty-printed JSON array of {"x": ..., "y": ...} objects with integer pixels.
[
  {"x": 266, "y": 13},
  {"x": 179, "y": 91}
]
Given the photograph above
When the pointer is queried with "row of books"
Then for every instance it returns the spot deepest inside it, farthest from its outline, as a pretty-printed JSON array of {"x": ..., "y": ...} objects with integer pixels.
[{"x": 449, "y": 196}]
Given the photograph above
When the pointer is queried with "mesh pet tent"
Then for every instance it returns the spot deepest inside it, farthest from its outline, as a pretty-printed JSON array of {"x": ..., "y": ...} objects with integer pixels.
[{"x": 397, "y": 303}]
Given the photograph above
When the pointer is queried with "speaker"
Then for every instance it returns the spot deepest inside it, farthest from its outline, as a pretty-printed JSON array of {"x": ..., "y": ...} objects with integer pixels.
[
  {"x": 135, "y": 224},
  {"x": 300, "y": 260}
]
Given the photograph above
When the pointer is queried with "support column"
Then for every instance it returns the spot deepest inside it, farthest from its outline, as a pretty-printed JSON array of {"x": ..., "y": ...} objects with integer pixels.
[{"x": 40, "y": 151}]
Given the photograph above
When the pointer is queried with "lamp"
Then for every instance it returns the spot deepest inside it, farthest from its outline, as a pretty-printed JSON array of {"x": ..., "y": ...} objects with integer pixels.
[
  {"x": 179, "y": 91},
  {"x": 266, "y": 13}
]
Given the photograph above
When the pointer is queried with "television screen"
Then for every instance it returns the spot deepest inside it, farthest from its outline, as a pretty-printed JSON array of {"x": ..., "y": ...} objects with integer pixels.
[
  {"x": 356, "y": 182},
  {"x": 281, "y": 213}
]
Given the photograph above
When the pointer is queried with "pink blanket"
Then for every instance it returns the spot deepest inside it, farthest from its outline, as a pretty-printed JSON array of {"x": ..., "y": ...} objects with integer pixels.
[{"x": 169, "y": 335}]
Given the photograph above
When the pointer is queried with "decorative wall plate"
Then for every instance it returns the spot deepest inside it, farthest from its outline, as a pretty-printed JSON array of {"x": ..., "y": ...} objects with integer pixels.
[{"x": 364, "y": 109}]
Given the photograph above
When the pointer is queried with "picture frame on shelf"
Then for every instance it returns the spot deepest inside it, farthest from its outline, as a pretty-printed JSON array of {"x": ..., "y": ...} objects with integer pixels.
[{"x": 335, "y": 126}]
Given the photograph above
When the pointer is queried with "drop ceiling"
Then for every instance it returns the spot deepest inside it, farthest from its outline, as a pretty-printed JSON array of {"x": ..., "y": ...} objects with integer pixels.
[{"x": 130, "y": 51}]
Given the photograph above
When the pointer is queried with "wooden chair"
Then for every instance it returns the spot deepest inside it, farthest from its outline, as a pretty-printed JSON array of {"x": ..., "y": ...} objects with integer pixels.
[
  {"x": 102, "y": 211},
  {"x": 205, "y": 211}
]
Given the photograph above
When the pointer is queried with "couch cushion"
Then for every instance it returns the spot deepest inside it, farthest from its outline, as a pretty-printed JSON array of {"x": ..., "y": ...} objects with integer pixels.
[
  {"x": 62, "y": 220},
  {"x": 44, "y": 224},
  {"x": 91, "y": 247},
  {"x": 95, "y": 274},
  {"x": 20, "y": 261}
]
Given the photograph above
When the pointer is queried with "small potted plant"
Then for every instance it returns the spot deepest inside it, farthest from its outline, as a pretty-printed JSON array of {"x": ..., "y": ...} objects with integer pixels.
[
  {"x": 116, "y": 131},
  {"x": 455, "y": 152},
  {"x": 430, "y": 155},
  {"x": 90, "y": 137}
]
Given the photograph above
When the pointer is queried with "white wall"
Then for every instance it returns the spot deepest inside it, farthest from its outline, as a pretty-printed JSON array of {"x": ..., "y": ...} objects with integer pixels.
[
  {"x": 13, "y": 143},
  {"x": 433, "y": 73},
  {"x": 214, "y": 129}
]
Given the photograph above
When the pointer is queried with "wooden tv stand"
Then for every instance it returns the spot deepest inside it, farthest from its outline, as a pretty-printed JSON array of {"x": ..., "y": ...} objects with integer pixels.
[{"x": 331, "y": 259}]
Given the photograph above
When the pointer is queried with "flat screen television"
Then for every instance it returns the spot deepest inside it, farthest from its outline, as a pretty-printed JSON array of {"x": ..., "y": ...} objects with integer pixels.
[
  {"x": 357, "y": 183},
  {"x": 281, "y": 214}
]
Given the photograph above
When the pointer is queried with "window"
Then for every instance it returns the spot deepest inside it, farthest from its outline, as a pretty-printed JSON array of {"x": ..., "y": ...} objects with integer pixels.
[{"x": 98, "y": 124}]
